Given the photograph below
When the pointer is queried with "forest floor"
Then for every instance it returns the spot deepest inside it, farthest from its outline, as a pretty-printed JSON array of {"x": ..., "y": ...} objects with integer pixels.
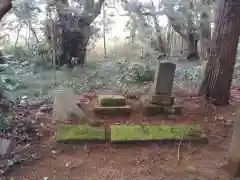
[{"x": 142, "y": 161}]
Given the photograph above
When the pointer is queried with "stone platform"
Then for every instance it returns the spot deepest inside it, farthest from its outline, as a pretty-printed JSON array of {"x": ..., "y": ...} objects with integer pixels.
[
  {"x": 129, "y": 133},
  {"x": 160, "y": 107},
  {"x": 112, "y": 105}
]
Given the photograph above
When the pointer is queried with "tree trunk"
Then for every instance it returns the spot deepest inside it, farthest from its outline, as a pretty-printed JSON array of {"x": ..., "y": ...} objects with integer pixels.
[
  {"x": 192, "y": 47},
  {"x": 205, "y": 34},
  {"x": 5, "y": 7},
  {"x": 205, "y": 47},
  {"x": 218, "y": 74},
  {"x": 74, "y": 43}
]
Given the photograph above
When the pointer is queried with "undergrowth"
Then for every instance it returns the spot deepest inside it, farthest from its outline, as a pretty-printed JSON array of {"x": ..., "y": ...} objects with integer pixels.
[{"x": 122, "y": 69}]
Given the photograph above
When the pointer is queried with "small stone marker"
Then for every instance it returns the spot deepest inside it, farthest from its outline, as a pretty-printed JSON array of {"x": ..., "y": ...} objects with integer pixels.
[
  {"x": 4, "y": 146},
  {"x": 125, "y": 133},
  {"x": 80, "y": 133},
  {"x": 233, "y": 164},
  {"x": 164, "y": 77}
]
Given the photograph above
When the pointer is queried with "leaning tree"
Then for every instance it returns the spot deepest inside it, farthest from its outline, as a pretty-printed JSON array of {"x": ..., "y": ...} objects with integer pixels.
[
  {"x": 218, "y": 75},
  {"x": 191, "y": 19},
  {"x": 70, "y": 31},
  {"x": 144, "y": 28},
  {"x": 5, "y": 6}
]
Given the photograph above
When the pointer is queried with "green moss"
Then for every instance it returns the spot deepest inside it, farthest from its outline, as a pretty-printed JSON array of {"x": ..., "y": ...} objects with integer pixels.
[
  {"x": 79, "y": 132},
  {"x": 154, "y": 132},
  {"x": 111, "y": 100}
]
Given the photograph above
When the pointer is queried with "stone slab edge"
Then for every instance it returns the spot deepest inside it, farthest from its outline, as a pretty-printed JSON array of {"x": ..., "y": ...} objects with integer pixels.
[
  {"x": 128, "y": 133},
  {"x": 114, "y": 110},
  {"x": 111, "y": 100},
  {"x": 66, "y": 132}
]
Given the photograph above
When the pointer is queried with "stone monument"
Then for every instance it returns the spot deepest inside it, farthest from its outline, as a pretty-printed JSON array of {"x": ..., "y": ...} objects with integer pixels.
[
  {"x": 164, "y": 77},
  {"x": 160, "y": 99}
]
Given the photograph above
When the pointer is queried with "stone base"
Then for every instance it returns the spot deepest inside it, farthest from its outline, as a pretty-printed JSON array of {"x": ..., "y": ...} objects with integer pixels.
[
  {"x": 154, "y": 109},
  {"x": 159, "y": 99},
  {"x": 111, "y": 100},
  {"x": 149, "y": 109},
  {"x": 114, "y": 110},
  {"x": 174, "y": 109}
]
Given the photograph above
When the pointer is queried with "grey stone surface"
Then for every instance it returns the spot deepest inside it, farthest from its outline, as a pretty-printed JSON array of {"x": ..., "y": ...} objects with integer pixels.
[
  {"x": 4, "y": 146},
  {"x": 161, "y": 99},
  {"x": 164, "y": 77},
  {"x": 233, "y": 164}
]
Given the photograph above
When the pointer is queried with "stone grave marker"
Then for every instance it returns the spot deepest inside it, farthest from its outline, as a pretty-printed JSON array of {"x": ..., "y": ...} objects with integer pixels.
[
  {"x": 164, "y": 77},
  {"x": 4, "y": 146},
  {"x": 233, "y": 164},
  {"x": 160, "y": 99}
]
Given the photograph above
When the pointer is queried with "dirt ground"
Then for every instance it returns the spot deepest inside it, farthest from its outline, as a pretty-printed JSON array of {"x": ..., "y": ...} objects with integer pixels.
[{"x": 139, "y": 161}]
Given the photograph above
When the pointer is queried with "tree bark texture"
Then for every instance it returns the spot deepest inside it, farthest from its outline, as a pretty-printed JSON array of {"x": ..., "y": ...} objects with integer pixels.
[
  {"x": 192, "y": 46},
  {"x": 218, "y": 74},
  {"x": 74, "y": 41},
  {"x": 205, "y": 33},
  {"x": 5, "y": 6}
]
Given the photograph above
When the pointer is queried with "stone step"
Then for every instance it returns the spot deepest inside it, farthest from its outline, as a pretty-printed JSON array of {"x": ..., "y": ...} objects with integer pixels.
[
  {"x": 68, "y": 132},
  {"x": 174, "y": 109},
  {"x": 114, "y": 110},
  {"x": 161, "y": 99},
  {"x": 150, "y": 109},
  {"x": 111, "y": 100},
  {"x": 125, "y": 133}
]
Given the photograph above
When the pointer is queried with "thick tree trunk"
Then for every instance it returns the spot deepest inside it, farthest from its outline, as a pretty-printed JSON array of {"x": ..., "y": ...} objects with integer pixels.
[
  {"x": 205, "y": 35},
  {"x": 74, "y": 43},
  {"x": 219, "y": 71},
  {"x": 5, "y": 7},
  {"x": 192, "y": 47},
  {"x": 205, "y": 47}
]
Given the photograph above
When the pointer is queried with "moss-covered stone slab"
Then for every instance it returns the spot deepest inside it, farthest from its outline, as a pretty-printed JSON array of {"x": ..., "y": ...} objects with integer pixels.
[
  {"x": 68, "y": 132},
  {"x": 111, "y": 100},
  {"x": 125, "y": 133},
  {"x": 161, "y": 99},
  {"x": 149, "y": 109},
  {"x": 114, "y": 110}
]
